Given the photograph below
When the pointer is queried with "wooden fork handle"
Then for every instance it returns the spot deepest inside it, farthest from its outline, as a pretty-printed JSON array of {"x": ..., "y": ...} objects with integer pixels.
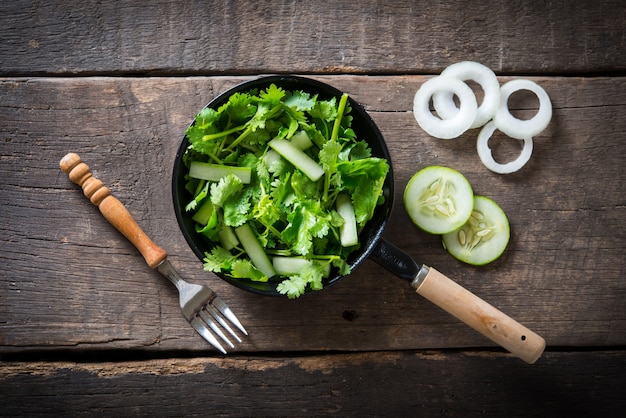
[{"x": 112, "y": 209}]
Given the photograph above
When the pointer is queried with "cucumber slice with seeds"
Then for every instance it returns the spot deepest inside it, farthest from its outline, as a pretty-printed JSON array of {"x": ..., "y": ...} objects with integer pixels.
[
  {"x": 438, "y": 199},
  {"x": 483, "y": 238}
]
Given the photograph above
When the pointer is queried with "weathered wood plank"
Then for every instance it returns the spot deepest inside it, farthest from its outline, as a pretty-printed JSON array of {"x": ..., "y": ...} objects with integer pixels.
[
  {"x": 349, "y": 385},
  {"x": 70, "y": 280},
  {"x": 241, "y": 37}
]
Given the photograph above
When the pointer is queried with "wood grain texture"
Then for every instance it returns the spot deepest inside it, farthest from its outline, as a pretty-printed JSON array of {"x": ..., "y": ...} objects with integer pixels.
[
  {"x": 243, "y": 37},
  {"x": 71, "y": 281},
  {"x": 86, "y": 328},
  {"x": 383, "y": 384}
]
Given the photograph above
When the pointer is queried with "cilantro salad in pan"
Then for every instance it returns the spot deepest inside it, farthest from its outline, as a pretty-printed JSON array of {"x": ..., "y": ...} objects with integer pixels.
[{"x": 280, "y": 185}]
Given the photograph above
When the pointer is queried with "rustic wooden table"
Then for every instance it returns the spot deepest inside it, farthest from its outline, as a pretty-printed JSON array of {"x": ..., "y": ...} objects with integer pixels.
[{"x": 87, "y": 328}]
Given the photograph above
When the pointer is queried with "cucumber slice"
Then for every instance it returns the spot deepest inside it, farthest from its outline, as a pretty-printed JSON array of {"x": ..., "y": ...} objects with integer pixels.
[
  {"x": 348, "y": 232},
  {"x": 286, "y": 266},
  {"x": 301, "y": 141},
  {"x": 298, "y": 158},
  {"x": 255, "y": 250},
  {"x": 228, "y": 239},
  {"x": 483, "y": 238},
  {"x": 214, "y": 172},
  {"x": 438, "y": 199},
  {"x": 206, "y": 215}
]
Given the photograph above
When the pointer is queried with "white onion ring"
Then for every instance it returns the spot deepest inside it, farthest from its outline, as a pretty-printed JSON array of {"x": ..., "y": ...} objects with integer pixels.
[
  {"x": 485, "y": 77},
  {"x": 444, "y": 128},
  {"x": 484, "y": 152},
  {"x": 518, "y": 128}
]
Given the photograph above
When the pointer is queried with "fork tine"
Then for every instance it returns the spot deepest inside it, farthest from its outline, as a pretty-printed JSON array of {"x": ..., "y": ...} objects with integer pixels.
[
  {"x": 199, "y": 326},
  {"x": 211, "y": 309},
  {"x": 207, "y": 318},
  {"x": 225, "y": 310}
]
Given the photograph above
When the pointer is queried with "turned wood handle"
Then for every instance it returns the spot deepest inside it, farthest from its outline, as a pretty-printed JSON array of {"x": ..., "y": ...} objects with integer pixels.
[
  {"x": 479, "y": 315},
  {"x": 112, "y": 209}
]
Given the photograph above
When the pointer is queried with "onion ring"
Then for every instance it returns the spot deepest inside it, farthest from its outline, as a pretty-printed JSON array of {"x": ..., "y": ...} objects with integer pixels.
[
  {"x": 444, "y": 128},
  {"x": 518, "y": 128},
  {"x": 484, "y": 152},
  {"x": 485, "y": 77}
]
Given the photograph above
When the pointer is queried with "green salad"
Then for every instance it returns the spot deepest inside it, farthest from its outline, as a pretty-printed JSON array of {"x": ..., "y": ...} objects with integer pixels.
[{"x": 281, "y": 185}]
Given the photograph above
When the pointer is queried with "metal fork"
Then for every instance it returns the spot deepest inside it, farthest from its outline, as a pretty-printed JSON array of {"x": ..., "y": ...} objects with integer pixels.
[{"x": 201, "y": 306}]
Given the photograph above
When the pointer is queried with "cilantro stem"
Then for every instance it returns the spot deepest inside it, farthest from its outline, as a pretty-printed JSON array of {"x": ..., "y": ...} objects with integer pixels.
[
  {"x": 340, "y": 109},
  {"x": 210, "y": 137},
  {"x": 214, "y": 157},
  {"x": 333, "y": 137},
  {"x": 240, "y": 138},
  {"x": 274, "y": 230},
  {"x": 326, "y": 187}
]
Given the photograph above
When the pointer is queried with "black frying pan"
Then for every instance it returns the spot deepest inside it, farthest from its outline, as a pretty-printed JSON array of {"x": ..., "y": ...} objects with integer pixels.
[{"x": 427, "y": 281}]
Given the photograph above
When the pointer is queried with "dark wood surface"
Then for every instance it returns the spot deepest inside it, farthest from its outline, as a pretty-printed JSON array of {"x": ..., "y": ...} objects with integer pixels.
[{"x": 86, "y": 327}]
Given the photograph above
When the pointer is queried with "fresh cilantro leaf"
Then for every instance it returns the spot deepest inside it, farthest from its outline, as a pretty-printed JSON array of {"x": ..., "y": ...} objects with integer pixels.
[
  {"x": 197, "y": 142},
  {"x": 206, "y": 119},
  {"x": 364, "y": 178},
  {"x": 292, "y": 287},
  {"x": 305, "y": 189},
  {"x": 225, "y": 188},
  {"x": 328, "y": 156},
  {"x": 272, "y": 95},
  {"x": 306, "y": 220},
  {"x": 322, "y": 218},
  {"x": 239, "y": 107},
  {"x": 348, "y": 134},
  {"x": 314, "y": 273},
  {"x": 218, "y": 259},
  {"x": 259, "y": 136},
  {"x": 357, "y": 151},
  {"x": 236, "y": 212},
  {"x": 262, "y": 171},
  {"x": 300, "y": 100},
  {"x": 297, "y": 233},
  {"x": 310, "y": 275},
  {"x": 258, "y": 120},
  {"x": 325, "y": 110},
  {"x": 244, "y": 269},
  {"x": 266, "y": 211},
  {"x": 227, "y": 194},
  {"x": 282, "y": 192},
  {"x": 341, "y": 265}
]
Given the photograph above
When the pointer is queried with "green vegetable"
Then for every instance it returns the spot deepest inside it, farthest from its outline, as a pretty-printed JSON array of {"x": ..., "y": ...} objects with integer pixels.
[
  {"x": 214, "y": 172},
  {"x": 227, "y": 237},
  {"x": 283, "y": 158},
  {"x": 293, "y": 265},
  {"x": 484, "y": 237},
  {"x": 206, "y": 216},
  {"x": 441, "y": 200},
  {"x": 438, "y": 199},
  {"x": 349, "y": 235},
  {"x": 255, "y": 251},
  {"x": 298, "y": 158}
]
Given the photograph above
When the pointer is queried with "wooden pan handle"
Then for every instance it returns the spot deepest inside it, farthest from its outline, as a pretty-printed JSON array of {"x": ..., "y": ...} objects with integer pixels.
[
  {"x": 112, "y": 209},
  {"x": 479, "y": 315}
]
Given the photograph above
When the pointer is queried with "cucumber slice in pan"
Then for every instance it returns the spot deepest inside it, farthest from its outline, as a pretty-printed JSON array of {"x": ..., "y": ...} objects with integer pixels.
[
  {"x": 438, "y": 199},
  {"x": 484, "y": 236}
]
